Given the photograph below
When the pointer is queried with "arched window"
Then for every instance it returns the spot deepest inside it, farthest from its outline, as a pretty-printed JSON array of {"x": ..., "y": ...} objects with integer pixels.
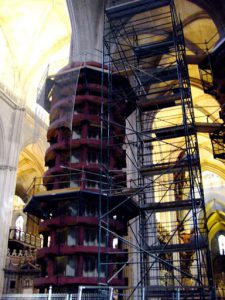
[
  {"x": 19, "y": 223},
  {"x": 211, "y": 179},
  {"x": 221, "y": 242}
]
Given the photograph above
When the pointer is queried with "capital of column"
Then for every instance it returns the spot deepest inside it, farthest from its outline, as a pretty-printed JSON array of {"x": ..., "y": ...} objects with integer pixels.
[{"x": 87, "y": 22}]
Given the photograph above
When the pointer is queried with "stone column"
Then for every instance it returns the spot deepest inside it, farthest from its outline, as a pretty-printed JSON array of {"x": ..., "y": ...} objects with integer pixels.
[
  {"x": 87, "y": 22},
  {"x": 11, "y": 122}
]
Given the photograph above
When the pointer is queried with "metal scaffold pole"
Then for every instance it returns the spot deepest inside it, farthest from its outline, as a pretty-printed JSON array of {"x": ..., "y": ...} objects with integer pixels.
[{"x": 167, "y": 242}]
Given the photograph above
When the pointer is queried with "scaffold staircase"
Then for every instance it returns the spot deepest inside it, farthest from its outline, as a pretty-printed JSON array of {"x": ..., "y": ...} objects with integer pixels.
[
  {"x": 218, "y": 143},
  {"x": 211, "y": 74},
  {"x": 210, "y": 67},
  {"x": 207, "y": 77},
  {"x": 168, "y": 243}
]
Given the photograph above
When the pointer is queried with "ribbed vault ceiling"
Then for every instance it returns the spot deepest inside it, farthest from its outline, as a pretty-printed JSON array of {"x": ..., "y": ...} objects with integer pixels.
[
  {"x": 36, "y": 33},
  {"x": 33, "y": 33}
]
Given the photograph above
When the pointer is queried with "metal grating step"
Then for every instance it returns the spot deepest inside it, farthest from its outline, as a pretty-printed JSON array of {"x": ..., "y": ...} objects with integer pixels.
[
  {"x": 158, "y": 75},
  {"x": 160, "y": 102},
  {"x": 166, "y": 168},
  {"x": 133, "y": 7},
  {"x": 178, "y": 131},
  {"x": 170, "y": 206},
  {"x": 168, "y": 132},
  {"x": 207, "y": 127},
  {"x": 176, "y": 247},
  {"x": 153, "y": 49}
]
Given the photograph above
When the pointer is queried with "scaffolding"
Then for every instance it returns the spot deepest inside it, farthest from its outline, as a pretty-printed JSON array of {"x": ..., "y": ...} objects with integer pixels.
[
  {"x": 210, "y": 67},
  {"x": 218, "y": 144},
  {"x": 150, "y": 209},
  {"x": 167, "y": 242},
  {"x": 212, "y": 82}
]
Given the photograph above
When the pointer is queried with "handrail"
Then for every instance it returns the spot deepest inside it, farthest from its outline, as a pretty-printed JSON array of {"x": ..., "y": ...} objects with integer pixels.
[{"x": 25, "y": 237}]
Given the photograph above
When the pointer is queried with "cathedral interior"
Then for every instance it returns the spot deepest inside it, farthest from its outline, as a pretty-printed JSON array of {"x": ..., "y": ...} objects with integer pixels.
[{"x": 51, "y": 143}]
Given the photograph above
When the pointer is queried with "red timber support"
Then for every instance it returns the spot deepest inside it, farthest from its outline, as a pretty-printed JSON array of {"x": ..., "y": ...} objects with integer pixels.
[{"x": 83, "y": 165}]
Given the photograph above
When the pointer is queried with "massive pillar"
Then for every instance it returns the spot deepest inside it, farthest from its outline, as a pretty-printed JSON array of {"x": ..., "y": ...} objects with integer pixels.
[
  {"x": 87, "y": 21},
  {"x": 10, "y": 134},
  {"x": 85, "y": 161}
]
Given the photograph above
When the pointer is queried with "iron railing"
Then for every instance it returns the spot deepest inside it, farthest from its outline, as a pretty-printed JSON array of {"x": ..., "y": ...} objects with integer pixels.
[{"x": 25, "y": 237}]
